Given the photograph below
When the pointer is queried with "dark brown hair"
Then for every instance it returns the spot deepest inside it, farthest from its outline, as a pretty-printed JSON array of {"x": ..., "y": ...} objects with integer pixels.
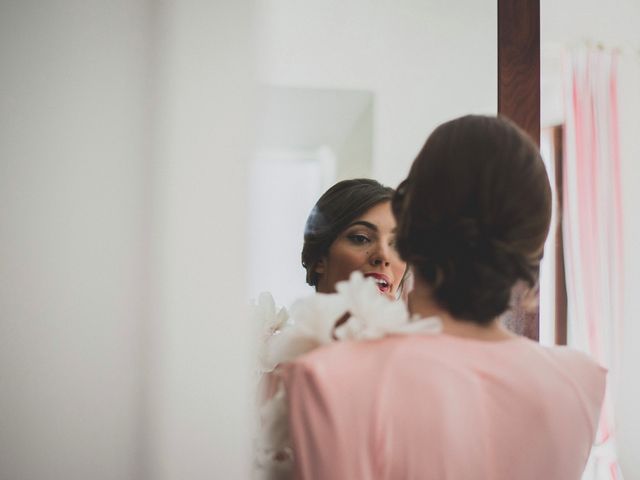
[
  {"x": 334, "y": 211},
  {"x": 473, "y": 214}
]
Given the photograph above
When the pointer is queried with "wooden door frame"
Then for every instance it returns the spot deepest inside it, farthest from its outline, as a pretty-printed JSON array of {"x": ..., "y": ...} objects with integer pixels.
[{"x": 519, "y": 99}]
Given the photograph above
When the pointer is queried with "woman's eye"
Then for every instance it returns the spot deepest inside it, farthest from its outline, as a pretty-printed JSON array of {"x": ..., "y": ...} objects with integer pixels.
[{"x": 359, "y": 239}]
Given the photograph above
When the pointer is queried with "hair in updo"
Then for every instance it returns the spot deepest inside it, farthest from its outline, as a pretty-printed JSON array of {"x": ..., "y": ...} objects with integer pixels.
[
  {"x": 334, "y": 211},
  {"x": 473, "y": 215}
]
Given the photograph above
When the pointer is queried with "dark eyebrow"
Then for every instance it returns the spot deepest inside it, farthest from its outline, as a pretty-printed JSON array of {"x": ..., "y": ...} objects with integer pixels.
[{"x": 369, "y": 225}]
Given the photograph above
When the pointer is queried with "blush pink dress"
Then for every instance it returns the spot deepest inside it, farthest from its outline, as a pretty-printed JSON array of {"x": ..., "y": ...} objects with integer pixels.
[{"x": 442, "y": 407}]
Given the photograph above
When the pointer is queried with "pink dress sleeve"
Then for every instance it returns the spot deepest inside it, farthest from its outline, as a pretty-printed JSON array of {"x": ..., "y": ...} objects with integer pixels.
[
  {"x": 310, "y": 425},
  {"x": 588, "y": 380},
  {"x": 322, "y": 429}
]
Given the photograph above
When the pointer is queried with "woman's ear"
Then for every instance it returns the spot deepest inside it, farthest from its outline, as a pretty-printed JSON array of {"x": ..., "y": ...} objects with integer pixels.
[{"x": 320, "y": 266}]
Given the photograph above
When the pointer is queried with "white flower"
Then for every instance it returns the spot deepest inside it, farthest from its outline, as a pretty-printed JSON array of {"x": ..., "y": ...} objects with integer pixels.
[
  {"x": 312, "y": 322},
  {"x": 374, "y": 315},
  {"x": 370, "y": 316},
  {"x": 271, "y": 321},
  {"x": 265, "y": 313}
]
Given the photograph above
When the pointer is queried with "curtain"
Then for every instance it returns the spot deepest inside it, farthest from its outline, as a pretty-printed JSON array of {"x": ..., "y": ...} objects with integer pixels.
[{"x": 592, "y": 229}]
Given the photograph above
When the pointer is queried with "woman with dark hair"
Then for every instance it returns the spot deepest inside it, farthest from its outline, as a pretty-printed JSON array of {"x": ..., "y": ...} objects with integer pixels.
[
  {"x": 351, "y": 228},
  {"x": 468, "y": 400}
]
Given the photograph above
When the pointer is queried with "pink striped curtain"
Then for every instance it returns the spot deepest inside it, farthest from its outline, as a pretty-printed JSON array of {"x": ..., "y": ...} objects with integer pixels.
[{"x": 592, "y": 228}]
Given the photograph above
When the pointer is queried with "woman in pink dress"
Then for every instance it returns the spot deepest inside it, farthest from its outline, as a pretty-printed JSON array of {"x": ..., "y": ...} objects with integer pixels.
[{"x": 473, "y": 401}]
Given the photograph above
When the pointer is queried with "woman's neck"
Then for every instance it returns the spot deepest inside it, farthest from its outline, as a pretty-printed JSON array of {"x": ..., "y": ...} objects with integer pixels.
[{"x": 422, "y": 303}]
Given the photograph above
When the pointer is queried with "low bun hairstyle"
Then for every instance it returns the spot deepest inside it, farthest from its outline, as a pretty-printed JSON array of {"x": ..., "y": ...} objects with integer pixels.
[
  {"x": 473, "y": 215},
  {"x": 336, "y": 209}
]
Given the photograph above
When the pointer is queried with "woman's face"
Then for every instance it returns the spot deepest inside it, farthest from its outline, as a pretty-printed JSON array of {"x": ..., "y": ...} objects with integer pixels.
[{"x": 367, "y": 245}]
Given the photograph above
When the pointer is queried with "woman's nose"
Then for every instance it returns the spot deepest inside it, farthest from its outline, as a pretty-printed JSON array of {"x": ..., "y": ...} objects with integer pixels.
[
  {"x": 380, "y": 257},
  {"x": 379, "y": 261}
]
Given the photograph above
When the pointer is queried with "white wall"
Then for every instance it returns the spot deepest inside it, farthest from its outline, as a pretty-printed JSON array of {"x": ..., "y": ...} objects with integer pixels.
[
  {"x": 200, "y": 395},
  {"x": 124, "y": 353},
  {"x": 356, "y": 152},
  {"x": 72, "y": 196},
  {"x": 568, "y": 23},
  {"x": 284, "y": 186},
  {"x": 425, "y": 62},
  {"x": 307, "y": 139}
]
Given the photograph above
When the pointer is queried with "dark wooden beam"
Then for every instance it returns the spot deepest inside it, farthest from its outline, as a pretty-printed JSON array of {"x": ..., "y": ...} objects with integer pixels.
[
  {"x": 519, "y": 63},
  {"x": 560, "y": 278},
  {"x": 519, "y": 99}
]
